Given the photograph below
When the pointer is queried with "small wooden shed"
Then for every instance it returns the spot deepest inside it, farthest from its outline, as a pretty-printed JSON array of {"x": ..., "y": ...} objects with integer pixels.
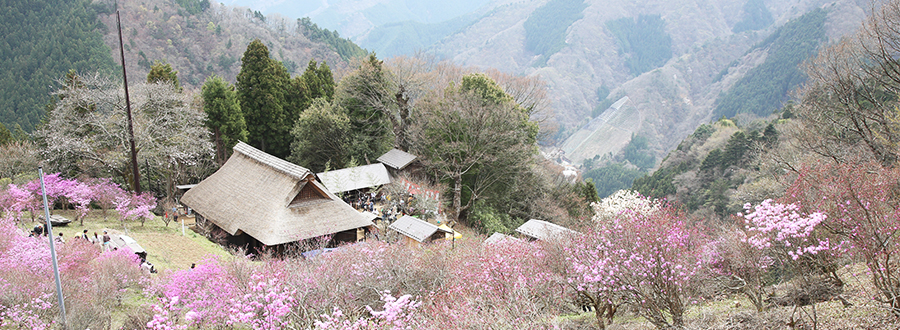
[{"x": 417, "y": 231}]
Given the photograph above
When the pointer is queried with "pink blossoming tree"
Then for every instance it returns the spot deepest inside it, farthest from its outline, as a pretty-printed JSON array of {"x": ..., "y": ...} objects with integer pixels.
[
  {"x": 648, "y": 257},
  {"x": 863, "y": 210}
]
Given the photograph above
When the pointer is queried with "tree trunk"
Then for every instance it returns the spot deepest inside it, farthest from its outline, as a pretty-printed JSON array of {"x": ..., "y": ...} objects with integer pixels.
[
  {"x": 220, "y": 147},
  {"x": 599, "y": 313},
  {"x": 400, "y": 126},
  {"x": 457, "y": 196}
]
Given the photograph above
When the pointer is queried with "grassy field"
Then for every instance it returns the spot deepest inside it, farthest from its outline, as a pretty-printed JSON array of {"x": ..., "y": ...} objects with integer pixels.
[{"x": 166, "y": 247}]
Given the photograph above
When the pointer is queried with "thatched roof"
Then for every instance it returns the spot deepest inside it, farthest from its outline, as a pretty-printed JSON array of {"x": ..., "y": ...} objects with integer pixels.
[
  {"x": 353, "y": 178},
  {"x": 416, "y": 229},
  {"x": 397, "y": 159},
  {"x": 543, "y": 230},
  {"x": 270, "y": 199}
]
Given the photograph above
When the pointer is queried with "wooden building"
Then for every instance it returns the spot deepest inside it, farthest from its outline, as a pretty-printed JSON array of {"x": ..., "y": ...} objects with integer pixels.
[
  {"x": 262, "y": 201},
  {"x": 417, "y": 231}
]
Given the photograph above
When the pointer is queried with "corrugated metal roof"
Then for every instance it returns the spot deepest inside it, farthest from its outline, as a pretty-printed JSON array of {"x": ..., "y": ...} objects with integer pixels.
[
  {"x": 414, "y": 228},
  {"x": 354, "y": 178},
  {"x": 397, "y": 159},
  {"x": 498, "y": 237},
  {"x": 543, "y": 230}
]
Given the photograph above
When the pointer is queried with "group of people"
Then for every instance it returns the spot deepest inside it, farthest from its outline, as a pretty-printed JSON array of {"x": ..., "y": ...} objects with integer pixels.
[
  {"x": 104, "y": 242},
  {"x": 364, "y": 201},
  {"x": 389, "y": 211},
  {"x": 41, "y": 230}
]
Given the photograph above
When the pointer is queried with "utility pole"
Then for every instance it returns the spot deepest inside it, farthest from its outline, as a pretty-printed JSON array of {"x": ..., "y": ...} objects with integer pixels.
[
  {"x": 59, "y": 293},
  {"x": 134, "y": 165}
]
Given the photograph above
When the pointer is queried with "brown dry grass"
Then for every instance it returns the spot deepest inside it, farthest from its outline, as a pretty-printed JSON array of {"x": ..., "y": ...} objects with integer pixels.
[{"x": 735, "y": 312}]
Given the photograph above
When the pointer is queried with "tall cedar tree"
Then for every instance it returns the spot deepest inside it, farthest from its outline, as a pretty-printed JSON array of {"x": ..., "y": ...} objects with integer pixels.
[
  {"x": 261, "y": 86},
  {"x": 364, "y": 94},
  {"x": 5, "y": 135},
  {"x": 223, "y": 116},
  {"x": 317, "y": 81}
]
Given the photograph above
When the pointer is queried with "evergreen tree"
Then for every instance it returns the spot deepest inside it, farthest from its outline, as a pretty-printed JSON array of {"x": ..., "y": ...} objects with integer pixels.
[
  {"x": 738, "y": 146},
  {"x": 638, "y": 154},
  {"x": 365, "y": 94},
  {"x": 223, "y": 116},
  {"x": 485, "y": 87},
  {"x": 40, "y": 41},
  {"x": 260, "y": 87},
  {"x": 316, "y": 82},
  {"x": 770, "y": 135},
  {"x": 321, "y": 137},
  {"x": 163, "y": 72},
  {"x": 5, "y": 135},
  {"x": 476, "y": 140},
  {"x": 319, "y": 81}
]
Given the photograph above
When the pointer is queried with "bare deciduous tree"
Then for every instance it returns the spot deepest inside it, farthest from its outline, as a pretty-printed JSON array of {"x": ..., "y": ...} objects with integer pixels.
[
  {"x": 86, "y": 131},
  {"x": 849, "y": 103},
  {"x": 18, "y": 157}
]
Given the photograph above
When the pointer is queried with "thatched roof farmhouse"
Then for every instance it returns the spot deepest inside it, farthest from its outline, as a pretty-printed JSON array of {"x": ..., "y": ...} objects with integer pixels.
[{"x": 272, "y": 201}]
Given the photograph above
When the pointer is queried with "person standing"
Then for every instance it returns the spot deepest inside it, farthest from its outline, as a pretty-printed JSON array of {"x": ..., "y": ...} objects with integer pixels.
[{"x": 106, "y": 240}]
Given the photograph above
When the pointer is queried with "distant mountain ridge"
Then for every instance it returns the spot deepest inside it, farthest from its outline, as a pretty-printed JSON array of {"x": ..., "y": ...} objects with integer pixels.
[
  {"x": 356, "y": 19},
  {"x": 584, "y": 76},
  {"x": 211, "y": 41},
  {"x": 712, "y": 48},
  {"x": 667, "y": 103}
]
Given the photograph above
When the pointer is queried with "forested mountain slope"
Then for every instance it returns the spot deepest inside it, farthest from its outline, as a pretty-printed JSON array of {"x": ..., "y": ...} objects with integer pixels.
[
  {"x": 605, "y": 58},
  {"x": 42, "y": 40},
  {"x": 199, "y": 38},
  {"x": 674, "y": 60},
  {"x": 370, "y": 23}
]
